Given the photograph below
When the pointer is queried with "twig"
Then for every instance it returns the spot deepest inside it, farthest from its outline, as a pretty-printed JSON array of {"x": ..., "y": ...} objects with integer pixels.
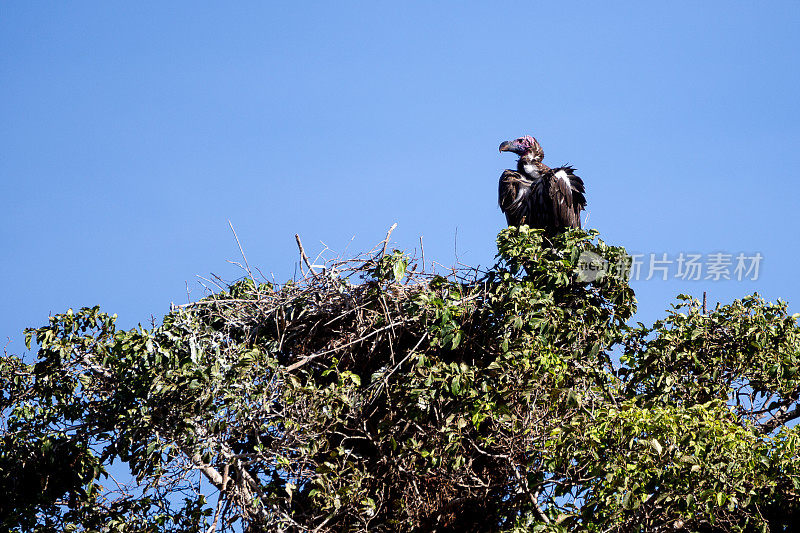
[
  {"x": 782, "y": 416},
  {"x": 308, "y": 358},
  {"x": 220, "y": 287},
  {"x": 249, "y": 273},
  {"x": 523, "y": 482},
  {"x": 704, "y": 303},
  {"x": 386, "y": 240},
  {"x": 422, "y": 248},
  {"x": 455, "y": 246},
  {"x": 324, "y": 249},
  {"x": 303, "y": 255},
  {"x": 220, "y": 499},
  {"x": 220, "y": 301},
  {"x": 411, "y": 352}
]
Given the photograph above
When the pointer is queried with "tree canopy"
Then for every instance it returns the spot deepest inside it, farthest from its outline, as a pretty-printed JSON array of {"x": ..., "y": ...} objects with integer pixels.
[{"x": 373, "y": 396}]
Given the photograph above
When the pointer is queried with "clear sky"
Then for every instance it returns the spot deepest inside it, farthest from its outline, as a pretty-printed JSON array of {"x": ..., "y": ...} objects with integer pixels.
[{"x": 132, "y": 132}]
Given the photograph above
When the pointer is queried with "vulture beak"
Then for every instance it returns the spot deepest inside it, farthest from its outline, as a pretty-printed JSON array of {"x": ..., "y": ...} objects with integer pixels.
[{"x": 507, "y": 146}]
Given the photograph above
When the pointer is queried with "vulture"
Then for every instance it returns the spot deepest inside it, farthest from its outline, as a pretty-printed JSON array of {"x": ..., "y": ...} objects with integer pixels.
[{"x": 537, "y": 195}]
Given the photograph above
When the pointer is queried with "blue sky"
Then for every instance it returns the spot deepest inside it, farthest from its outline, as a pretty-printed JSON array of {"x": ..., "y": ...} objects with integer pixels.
[{"x": 132, "y": 132}]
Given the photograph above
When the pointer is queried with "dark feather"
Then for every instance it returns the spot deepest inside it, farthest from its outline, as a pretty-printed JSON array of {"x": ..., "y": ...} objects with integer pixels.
[{"x": 553, "y": 200}]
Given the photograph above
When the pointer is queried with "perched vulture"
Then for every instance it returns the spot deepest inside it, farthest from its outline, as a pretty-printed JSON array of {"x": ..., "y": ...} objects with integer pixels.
[{"x": 537, "y": 195}]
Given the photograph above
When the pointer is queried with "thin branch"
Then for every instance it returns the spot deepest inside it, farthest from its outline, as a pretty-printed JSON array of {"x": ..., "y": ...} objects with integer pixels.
[
  {"x": 385, "y": 380},
  {"x": 455, "y": 246},
  {"x": 210, "y": 472},
  {"x": 220, "y": 287},
  {"x": 219, "y": 302},
  {"x": 534, "y": 497},
  {"x": 422, "y": 248},
  {"x": 308, "y": 358},
  {"x": 780, "y": 418},
  {"x": 220, "y": 499},
  {"x": 249, "y": 272},
  {"x": 303, "y": 255},
  {"x": 386, "y": 240}
]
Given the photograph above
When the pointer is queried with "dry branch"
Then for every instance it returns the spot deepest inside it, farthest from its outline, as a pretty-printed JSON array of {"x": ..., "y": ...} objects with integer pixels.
[{"x": 303, "y": 253}]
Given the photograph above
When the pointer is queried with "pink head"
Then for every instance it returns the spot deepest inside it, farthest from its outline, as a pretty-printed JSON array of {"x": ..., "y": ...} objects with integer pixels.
[{"x": 524, "y": 145}]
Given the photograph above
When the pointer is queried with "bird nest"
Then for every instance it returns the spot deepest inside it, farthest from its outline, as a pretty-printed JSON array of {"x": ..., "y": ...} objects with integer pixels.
[{"x": 340, "y": 344}]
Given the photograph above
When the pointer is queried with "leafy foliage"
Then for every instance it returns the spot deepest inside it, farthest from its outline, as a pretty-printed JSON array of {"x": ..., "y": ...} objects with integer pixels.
[{"x": 372, "y": 396}]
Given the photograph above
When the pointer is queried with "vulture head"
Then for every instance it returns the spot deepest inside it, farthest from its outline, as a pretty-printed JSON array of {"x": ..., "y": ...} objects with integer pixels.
[{"x": 526, "y": 146}]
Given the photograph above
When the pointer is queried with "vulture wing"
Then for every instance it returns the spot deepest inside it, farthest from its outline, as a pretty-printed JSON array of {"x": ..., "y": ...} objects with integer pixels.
[
  {"x": 566, "y": 193},
  {"x": 524, "y": 201}
]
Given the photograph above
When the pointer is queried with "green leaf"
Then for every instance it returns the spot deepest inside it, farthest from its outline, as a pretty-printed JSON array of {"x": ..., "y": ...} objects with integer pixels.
[
  {"x": 455, "y": 385},
  {"x": 656, "y": 446},
  {"x": 456, "y": 339},
  {"x": 399, "y": 270}
]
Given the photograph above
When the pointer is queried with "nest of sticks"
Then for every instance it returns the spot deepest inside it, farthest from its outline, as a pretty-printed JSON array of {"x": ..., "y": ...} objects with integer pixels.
[{"x": 359, "y": 327}]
